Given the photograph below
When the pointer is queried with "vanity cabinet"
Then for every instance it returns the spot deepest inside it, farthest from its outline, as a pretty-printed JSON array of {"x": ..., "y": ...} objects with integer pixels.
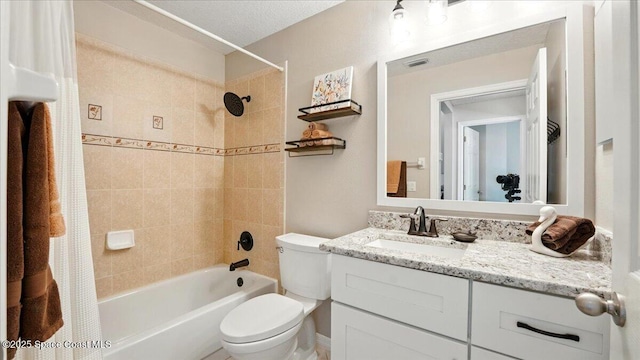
[
  {"x": 531, "y": 325},
  {"x": 382, "y": 311}
]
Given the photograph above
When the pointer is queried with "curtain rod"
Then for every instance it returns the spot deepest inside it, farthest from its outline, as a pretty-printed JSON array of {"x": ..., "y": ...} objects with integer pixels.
[{"x": 205, "y": 32}]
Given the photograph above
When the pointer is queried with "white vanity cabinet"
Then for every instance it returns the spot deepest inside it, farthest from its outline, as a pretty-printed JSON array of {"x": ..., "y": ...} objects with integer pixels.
[{"x": 383, "y": 311}]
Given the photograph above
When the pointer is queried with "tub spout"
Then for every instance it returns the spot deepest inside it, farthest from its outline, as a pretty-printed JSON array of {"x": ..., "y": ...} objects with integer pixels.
[{"x": 238, "y": 264}]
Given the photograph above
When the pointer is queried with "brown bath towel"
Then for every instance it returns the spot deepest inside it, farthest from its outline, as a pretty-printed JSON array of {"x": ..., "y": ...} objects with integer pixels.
[
  {"x": 307, "y": 134},
  {"x": 317, "y": 134},
  {"x": 566, "y": 234},
  {"x": 317, "y": 126},
  {"x": 397, "y": 178},
  {"x": 37, "y": 314}
]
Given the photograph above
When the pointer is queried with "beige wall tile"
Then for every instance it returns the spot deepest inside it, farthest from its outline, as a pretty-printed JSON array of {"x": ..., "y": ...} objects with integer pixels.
[
  {"x": 241, "y": 131},
  {"x": 128, "y": 115},
  {"x": 127, "y": 168},
  {"x": 205, "y": 127},
  {"x": 97, "y": 167},
  {"x": 218, "y": 204},
  {"x": 162, "y": 134},
  {"x": 229, "y": 162},
  {"x": 158, "y": 272},
  {"x": 126, "y": 209},
  {"x": 181, "y": 266},
  {"x": 254, "y": 200},
  {"x": 183, "y": 121},
  {"x": 157, "y": 249},
  {"x": 272, "y": 127},
  {"x": 240, "y": 171},
  {"x": 204, "y": 171},
  {"x": 204, "y": 237},
  {"x": 272, "y": 201},
  {"x": 183, "y": 92},
  {"x": 156, "y": 207},
  {"x": 254, "y": 128},
  {"x": 206, "y": 97},
  {"x": 157, "y": 88},
  {"x": 204, "y": 204},
  {"x": 132, "y": 75},
  {"x": 181, "y": 206},
  {"x": 182, "y": 241},
  {"x": 219, "y": 130},
  {"x": 95, "y": 68},
  {"x": 104, "y": 287},
  {"x": 99, "y": 204},
  {"x": 273, "y": 171},
  {"x": 181, "y": 170},
  {"x": 229, "y": 131},
  {"x": 240, "y": 204},
  {"x": 127, "y": 281},
  {"x": 96, "y": 96},
  {"x": 101, "y": 257},
  {"x": 273, "y": 86},
  {"x": 157, "y": 169},
  {"x": 218, "y": 172},
  {"x": 255, "y": 171},
  {"x": 256, "y": 89},
  {"x": 204, "y": 261},
  {"x": 227, "y": 230},
  {"x": 228, "y": 204},
  {"x": 129, "y": 259}
]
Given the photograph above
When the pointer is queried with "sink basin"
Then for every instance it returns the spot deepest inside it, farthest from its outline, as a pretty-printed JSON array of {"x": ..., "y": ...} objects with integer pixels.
[{"x": 425, "y": 249}]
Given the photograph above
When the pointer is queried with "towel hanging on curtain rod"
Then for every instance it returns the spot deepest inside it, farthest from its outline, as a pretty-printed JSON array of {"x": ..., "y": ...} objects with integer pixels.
[{"x": 205, "y": 32}]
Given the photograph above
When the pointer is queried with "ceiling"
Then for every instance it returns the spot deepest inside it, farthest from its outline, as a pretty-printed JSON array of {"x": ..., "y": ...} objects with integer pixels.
[{"x": 240, "y": 22}]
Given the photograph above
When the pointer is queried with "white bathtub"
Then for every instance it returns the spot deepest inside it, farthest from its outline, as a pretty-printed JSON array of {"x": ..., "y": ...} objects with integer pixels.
[{"x": 178, "y": 318}]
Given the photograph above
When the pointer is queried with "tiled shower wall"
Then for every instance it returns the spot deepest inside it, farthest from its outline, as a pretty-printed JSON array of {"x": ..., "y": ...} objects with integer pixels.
[
  {"x": 163, "y": 157},
  {"x": 161, "y": 177},
  {"x": 254, "y": 176}
]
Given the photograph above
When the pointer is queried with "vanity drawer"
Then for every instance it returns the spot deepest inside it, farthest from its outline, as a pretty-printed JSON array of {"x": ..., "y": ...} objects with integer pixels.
[
  {"x": 522, "y": 323},
  {"x": 359, "y": 335},
  {"x": 429, "y": 301}
]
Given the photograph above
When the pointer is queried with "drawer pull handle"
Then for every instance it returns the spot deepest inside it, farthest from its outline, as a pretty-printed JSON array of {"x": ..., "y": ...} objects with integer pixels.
[{"x": 561, "y": 336}]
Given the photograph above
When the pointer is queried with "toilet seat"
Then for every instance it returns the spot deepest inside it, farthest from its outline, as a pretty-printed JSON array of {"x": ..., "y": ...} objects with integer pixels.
[{"x": 261, "y": 318}]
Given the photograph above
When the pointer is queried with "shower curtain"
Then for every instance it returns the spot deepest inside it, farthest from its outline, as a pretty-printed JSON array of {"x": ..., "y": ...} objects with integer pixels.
[{"x": 43, "y": 39}]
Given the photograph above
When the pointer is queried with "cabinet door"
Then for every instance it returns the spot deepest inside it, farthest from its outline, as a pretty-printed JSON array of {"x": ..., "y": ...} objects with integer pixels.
[
  {"x": 433, "y": 302},
  {"x": 359, "y": 335}
]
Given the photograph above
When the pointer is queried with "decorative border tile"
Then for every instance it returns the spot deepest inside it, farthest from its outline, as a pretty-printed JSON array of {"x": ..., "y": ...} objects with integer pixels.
[{"x": 102, "y": 140}]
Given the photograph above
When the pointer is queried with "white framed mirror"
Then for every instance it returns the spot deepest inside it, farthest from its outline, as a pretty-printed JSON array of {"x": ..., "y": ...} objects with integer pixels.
[{"x": 471, "y": 116}]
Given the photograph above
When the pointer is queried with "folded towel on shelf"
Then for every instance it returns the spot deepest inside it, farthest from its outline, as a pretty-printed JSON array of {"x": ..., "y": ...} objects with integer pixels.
[
  {"x": 397, "y": 178},
  {"x": 328, "y": 142},
  {"x": 30, "y": 281},
  {"x": 317, "y": 126},
  {"x": 316, "y": 134},
  {"x": 306, "y": 134},
  {"x": 567, "y": 234}
]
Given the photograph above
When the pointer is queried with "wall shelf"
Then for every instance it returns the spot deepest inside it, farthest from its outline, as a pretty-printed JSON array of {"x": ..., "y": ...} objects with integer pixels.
[
  {"x": 312, "y": 147},
  {"x": 308, "y": 113}
]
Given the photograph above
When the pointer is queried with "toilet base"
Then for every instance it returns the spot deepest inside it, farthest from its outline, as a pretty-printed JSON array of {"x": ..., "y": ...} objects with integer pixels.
[{"x": 306, "y": 349}]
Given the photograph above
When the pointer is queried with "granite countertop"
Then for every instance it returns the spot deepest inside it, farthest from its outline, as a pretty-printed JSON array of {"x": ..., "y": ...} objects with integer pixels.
[{"x": 497, "y": 262}]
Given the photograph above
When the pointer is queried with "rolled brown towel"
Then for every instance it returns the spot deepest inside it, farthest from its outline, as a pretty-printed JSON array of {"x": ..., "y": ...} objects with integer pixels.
[
  {"x": 317, "y": 126},
  {"x": 317, "y": 134},
  {"x": 307, "y": 134},
  {"x": 566, "y": 234}
]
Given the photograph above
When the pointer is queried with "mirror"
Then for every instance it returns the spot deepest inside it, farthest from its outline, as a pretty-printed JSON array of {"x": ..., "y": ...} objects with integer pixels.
[{"x": 482, "y": 124}]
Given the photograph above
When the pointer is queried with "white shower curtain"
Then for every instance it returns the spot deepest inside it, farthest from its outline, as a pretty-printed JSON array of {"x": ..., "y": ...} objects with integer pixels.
[{"x": 43, "y": 40}]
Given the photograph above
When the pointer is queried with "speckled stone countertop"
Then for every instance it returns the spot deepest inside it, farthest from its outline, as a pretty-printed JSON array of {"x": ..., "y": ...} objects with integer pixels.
[{"x": 497, "y": 262}]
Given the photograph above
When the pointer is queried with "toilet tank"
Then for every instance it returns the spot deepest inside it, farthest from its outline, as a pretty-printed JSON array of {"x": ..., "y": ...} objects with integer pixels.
[{"x": 305, "y": 270}]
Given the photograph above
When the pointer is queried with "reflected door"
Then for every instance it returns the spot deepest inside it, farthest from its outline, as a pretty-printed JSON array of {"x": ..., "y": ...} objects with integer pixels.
[
  {"x": 471, "y": 185},
  {"x": 535, "y": 180}
]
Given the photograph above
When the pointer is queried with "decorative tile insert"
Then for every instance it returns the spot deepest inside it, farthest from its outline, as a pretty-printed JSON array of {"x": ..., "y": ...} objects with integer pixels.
[
  {"x": 158, "y": 122},
  {"x": 94, "y": 112},
  {"x": 102, "y": 140}
]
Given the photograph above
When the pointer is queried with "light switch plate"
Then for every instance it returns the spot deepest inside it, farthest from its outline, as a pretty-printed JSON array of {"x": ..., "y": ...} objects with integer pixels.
[{"x": 411, "y": 186}]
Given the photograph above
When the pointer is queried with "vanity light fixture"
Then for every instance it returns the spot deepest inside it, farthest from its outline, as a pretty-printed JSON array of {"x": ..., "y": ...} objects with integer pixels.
[
  {"x": 399, "y": 23},
  {"x": 437, "y": 11}
]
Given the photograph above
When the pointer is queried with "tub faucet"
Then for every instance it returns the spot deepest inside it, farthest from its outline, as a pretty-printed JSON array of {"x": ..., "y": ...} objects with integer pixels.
[{"x": 238, "y": 264}]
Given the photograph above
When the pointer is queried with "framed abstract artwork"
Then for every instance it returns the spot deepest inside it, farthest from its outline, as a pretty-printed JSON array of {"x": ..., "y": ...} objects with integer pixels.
[{"x": 331, "y": 87}]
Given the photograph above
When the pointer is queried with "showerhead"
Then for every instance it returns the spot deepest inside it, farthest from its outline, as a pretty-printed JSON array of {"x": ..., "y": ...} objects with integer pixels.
[{"x": 234, "y": 104}]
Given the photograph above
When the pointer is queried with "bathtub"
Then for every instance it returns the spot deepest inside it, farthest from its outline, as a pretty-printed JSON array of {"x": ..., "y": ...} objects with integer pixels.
[{"x": 178, "y": 318}]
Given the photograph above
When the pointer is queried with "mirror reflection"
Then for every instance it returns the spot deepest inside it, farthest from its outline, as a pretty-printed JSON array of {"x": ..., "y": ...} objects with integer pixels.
[{"x": 479, "y": 121}]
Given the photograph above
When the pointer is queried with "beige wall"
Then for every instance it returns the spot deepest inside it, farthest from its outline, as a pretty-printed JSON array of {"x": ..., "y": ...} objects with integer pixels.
[
  {"x": 254, "y": 177},
  {"x": 165, "y": 184},
  {"x": 116, "y": 27}
]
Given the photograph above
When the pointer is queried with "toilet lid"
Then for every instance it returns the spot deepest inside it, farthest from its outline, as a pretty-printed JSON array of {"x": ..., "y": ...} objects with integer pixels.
[{"x": 260, "y": 318}]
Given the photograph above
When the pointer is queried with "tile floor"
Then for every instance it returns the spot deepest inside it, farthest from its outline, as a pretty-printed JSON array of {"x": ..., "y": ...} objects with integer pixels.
[{"x": 222, "y": 354}]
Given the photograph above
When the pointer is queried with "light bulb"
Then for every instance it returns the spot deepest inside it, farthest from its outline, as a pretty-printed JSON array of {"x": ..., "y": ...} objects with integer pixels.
[
  {"x": 399, "y": 23},
  {"x": 437, "y": 11}
]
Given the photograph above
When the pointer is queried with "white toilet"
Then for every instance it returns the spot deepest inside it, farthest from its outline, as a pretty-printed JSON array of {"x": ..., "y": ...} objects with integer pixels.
[{"x": 277, "y": 327}]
